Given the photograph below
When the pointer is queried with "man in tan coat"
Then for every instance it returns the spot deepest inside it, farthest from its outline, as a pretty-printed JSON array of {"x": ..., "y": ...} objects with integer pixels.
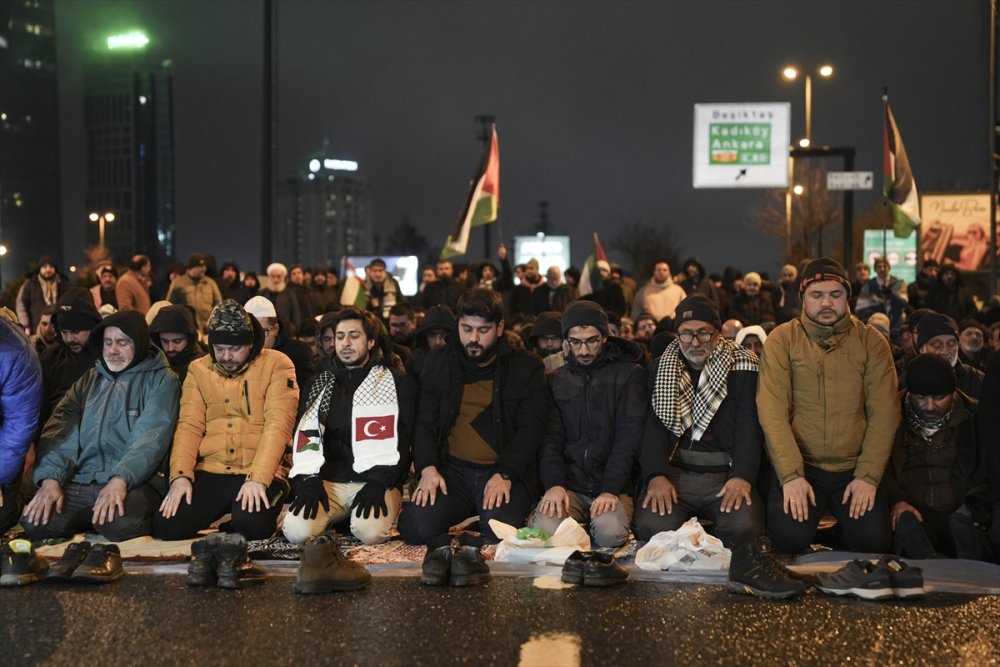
[
  {"x": 237, "y": 414},
  {"x": 827, "y": 402}
]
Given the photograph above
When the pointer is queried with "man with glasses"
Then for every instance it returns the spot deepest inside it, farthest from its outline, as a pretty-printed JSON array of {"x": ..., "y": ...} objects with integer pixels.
[
  {"x": 594, "y": 430},
  {"x": 828, "y": 406},
  {"x": 702, "y": 444},
  {"x": 938, "y": 334}
]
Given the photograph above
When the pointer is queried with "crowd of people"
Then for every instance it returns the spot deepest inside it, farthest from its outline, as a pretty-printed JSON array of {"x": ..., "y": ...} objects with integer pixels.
[{"x": 757, "y": 406}]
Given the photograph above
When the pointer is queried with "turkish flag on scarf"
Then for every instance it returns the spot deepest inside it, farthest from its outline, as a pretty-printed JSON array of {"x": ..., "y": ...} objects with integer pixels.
[{"x": 374, "y": 428}]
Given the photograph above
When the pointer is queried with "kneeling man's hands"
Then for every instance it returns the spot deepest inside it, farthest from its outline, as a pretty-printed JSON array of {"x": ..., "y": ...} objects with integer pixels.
[
  {"x": 110, "y": 499},
  {"x": 555, "y": 503},
  {"x": 496, "y": 493},
  {"x": 660, "y": 496},
  {"x": 862, "y": 497},
  {"x": 734, "y": 493},
  {"x": 39, "y": 510}
]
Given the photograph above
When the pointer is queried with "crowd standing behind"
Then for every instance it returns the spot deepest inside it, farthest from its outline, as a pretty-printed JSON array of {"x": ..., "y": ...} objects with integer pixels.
[{"x": 758, "y": 406}]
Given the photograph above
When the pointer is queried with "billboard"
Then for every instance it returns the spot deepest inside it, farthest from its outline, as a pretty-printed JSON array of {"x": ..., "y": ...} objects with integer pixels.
[
  {"x": 901, "y": 253},
  {"x": 549, "y": 250},
  {"x": 956, "y": 228},
  {"x": 741, "y": 145},
  {"x": 404, "y": 268}
]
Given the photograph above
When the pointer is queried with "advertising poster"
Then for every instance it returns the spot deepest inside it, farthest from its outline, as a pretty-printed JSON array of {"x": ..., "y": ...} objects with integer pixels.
[
  {"x": 956, "y": 229},
  {"x": 901, "y": 253}
]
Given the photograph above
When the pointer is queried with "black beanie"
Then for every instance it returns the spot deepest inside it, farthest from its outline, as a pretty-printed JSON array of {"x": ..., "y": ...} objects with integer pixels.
[
  {"x": 75, "y": 311},
  {"x": 548, "y": 323},
  {"x": 583, "y": 314},
  {"x": 935, "y": 324},
  {"x": 229, "y": 324},
  {"x": 133, "y": 324},
  {"x": 930, "y": 375},
  {"x": 823, "y": 269},
  {"x": 697, "y": 307}
]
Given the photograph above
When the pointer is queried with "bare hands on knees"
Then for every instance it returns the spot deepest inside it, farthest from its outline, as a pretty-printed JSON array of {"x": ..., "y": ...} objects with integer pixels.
[
  {"x": 180, "y": 489},
  {"x": 660, "y": 496},
  {"x": 798, "y": 495},
  {"x": 49, "y": 495}
]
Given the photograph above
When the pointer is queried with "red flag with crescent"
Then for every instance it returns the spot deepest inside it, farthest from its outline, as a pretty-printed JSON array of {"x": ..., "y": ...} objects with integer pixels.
[{"x": 375, "y": 428}]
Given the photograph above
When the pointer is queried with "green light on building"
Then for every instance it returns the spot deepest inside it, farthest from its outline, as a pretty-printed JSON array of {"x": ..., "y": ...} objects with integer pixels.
[{"x": 129, "y": 40}]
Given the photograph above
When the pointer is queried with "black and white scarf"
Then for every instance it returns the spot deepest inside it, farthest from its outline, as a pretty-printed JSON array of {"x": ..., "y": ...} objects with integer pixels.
[{"x": 681, "y": 406}]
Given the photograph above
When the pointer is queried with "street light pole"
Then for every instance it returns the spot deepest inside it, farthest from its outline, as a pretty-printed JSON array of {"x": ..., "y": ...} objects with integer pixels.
[{"x": 101, "y": 219}]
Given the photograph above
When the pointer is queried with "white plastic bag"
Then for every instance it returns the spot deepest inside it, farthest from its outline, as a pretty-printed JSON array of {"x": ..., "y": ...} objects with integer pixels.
[
  {"x": 689, "y": 548},
  {"x": 569, "y": 537}
]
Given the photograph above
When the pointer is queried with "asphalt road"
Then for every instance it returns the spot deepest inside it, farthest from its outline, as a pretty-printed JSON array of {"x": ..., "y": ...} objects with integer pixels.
[{"x": 151, "y": 618}]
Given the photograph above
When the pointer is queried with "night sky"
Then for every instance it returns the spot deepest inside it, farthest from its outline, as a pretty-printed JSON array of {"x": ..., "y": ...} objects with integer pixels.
[{"x": 594, "y": 105}]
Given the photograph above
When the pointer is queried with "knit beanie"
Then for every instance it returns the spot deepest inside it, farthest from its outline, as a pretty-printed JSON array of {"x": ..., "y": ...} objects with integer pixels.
[
  {"x": 584, "y": 314},
  {"x": 229, "y": 324},
  {"x": 697, "y": 307},
  {"x": 75, "y": 311},
  {"x": 548, "y": 323},
  {"x": 930, "y": 375},
  {"x": 823, "y": 269},
  {"x": 935, "y": 324}
]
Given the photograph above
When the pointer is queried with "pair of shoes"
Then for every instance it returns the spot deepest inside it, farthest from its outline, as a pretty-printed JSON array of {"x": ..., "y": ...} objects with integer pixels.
[
  {"x": 592, "y": 568},
  {"x": 20, "y": 565},
  {"x": 885, "y": 578},
  {"x": 86, "y": 563},
  {"x": 753, "y": 570},
  {"x": 222, "y": 560},
  {"x": 325, "y": 569},
  {"x": 465, "y": 566}
]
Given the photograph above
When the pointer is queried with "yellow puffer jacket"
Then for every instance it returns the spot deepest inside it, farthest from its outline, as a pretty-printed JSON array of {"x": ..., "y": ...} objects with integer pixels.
[{"x": 235, "y": 424}]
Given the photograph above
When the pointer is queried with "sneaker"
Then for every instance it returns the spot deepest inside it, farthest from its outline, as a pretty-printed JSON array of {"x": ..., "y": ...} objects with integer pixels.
[
  {"x": 907, "y": 581},
  {"x": 860, "y": 578},
  {"x": 234, "y": 568},
  {"x": 20, "y": 564},
  {"x": 102, "y": 565},
  {"x": 468, "y": 567},
  {"x": 753, "y": 572},
  {"x": 324, "y": 568},
  {"x": 202, "y": 568},
  {"x": 436, "y": 568},
  {"x": 63, "y": 569}
]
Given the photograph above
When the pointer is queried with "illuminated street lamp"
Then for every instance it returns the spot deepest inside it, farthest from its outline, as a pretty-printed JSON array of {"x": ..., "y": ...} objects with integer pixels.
[
  {"x": 101, "y": 219},
  {"x": 791, "y": 73},
  {"x": 3, "y": 251},
  {"x": 798, "y": 189}
]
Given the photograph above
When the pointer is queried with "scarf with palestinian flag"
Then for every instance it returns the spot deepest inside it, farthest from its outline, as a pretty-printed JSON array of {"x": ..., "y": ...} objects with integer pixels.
[{"x": 374, "y": 423}]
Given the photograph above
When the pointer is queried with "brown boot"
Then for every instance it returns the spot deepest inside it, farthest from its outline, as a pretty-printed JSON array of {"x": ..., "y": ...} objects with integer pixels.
[{"x": 324, "y": 569}]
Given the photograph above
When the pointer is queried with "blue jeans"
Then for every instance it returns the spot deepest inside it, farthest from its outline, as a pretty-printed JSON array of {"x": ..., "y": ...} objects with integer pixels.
[{"x": 466, "y": 483}]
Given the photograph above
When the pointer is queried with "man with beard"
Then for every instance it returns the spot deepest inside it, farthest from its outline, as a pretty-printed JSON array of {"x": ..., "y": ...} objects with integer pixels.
[
  {"x": 545, "y": 339},
  {"x": 520, "y": 294},
  {"x": 46, "y": 335},
  {"x": 481, "y": 418},
  {"x": 320, "y": 293},
  {"x": 941, "y": 479},
  {"x": 436, "y": 331},
  {"x": 918, "y": 289},
  {"x": 938, "y": 334},
  {"x": 98, "y": 454},
  {"x": 104, "y": 290},
  {"x": 285, "y": 301},
  {"x": 444, "y": 290},
  {"x": 64, "y": 364},
  {"x": 787, "y": 304},
  {"x": 195, "y": 290},
  {"x": 552, "y": 294},
  {"x": 42, "y": 288},
  {"x": 402, "y": 325},
  {"x": 594, "y": 430},
  {"x": 173, "y": 331},
  {"x": 230, "y": 285},
  {"x": 972, "y": 348},
  {"x": 352, "y": 444},
  {"x": 949, "y": 295},
  {"x": 237, "y": 414},
  {"x": 702, "y": 445},
  {"x": 696, "y": 280},
  {"x": 827, "y": 402},
  {"x": 382, "y": 288},
  {"x": 659, "y": 296},
  {"x": 749, "y": 305},
  {"x": 132, "y": 290}
]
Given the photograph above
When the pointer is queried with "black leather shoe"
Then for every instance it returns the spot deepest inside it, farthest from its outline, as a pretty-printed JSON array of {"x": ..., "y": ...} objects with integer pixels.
[
  {"x": 202, "y": 568},
  {"x": 468, "y": 567},
  {"x": 603, "y": 570},
  {"x": 436, "y": 568},
  {"x": 572, "y": 571},
  {"x": 101, "y": 566},
  {"x": 63, "y": 569},
  {"x": 234, "y": 568}
]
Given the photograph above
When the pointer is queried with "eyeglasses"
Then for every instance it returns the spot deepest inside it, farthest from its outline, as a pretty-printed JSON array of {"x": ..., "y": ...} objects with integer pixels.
[
  {"x": 703, "y": 336},
  {"x": 591, "y": 343}
]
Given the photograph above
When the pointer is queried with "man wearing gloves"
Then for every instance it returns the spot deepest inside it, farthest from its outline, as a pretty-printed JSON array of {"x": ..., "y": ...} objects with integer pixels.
[
  {"x": 352, "y": 445},
  {"x": 98, "y": 453}
]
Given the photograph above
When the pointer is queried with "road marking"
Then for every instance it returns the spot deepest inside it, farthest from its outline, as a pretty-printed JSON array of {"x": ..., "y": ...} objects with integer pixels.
[{"x": 552, "y": 649}]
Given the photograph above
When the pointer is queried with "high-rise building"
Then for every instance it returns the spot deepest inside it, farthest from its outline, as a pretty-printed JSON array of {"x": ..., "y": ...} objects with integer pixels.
[
  {"x": 30, "y": 215},
  {"x": 128, "y": 116},
  {"x": 322, "y": 213}
]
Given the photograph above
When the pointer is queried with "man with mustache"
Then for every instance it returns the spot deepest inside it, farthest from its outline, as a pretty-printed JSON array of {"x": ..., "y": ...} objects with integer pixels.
[
  {"x": 827, "y": 403},
  {"x": 63, "y": 364}
]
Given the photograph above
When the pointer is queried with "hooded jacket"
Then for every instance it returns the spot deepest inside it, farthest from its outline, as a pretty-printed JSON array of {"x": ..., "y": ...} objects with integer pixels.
[
  {"x": 113, "y": 424},
  {"x": 594, "y": 431},
  {"x": 177, "y": 320},
  {"x": 236, "y": 423},
  {"x": 20, "y": 399}
]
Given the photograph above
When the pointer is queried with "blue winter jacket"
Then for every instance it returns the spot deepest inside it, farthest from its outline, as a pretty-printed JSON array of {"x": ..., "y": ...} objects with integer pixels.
[{"x": 20, "y": 399}]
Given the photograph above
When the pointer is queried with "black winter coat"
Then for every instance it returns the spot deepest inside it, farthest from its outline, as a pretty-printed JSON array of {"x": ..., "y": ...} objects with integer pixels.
[{"x": 596, "y": 423}]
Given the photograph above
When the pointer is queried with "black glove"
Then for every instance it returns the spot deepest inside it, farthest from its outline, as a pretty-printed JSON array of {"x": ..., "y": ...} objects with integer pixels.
[
  {"x": 371, "y": 496},
  {"x": 309, "y": 495}
]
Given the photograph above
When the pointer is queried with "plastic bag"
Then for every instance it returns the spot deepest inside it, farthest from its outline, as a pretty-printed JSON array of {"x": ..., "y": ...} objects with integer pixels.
[
  {"x": 569, "y": 537},
  {"x": 688, "y": 548}
]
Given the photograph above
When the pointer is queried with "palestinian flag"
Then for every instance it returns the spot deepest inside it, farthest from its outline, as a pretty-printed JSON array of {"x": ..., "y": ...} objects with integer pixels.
[
  {"x": 353, "y": 292},
  {"x": 590, "y": 277},
  {"x": 897, "y": 183},
  {"x": 482, "y": 206}
]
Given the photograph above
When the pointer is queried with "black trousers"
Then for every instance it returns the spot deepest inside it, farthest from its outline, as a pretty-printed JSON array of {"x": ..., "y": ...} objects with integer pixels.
[
  {"x": 78, "y": 509},
  {"x": 213, "y": 497},
  {"x": 868, "y": 534}
]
